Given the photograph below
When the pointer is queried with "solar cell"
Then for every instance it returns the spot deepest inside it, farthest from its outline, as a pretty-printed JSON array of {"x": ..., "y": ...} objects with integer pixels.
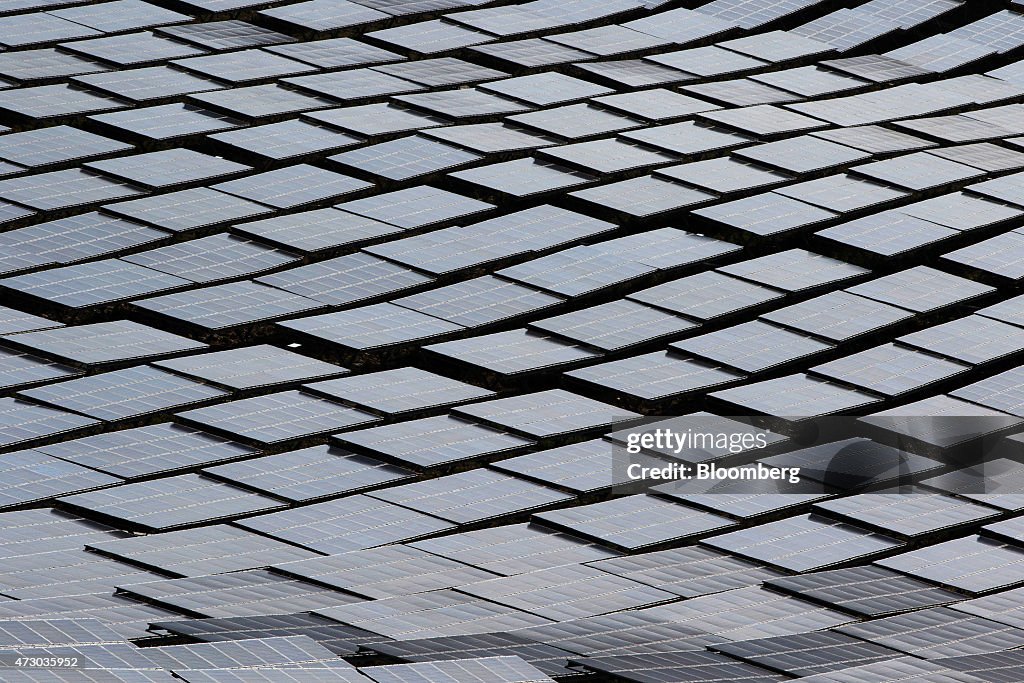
[
  {"x": 808, "y": 653},
  {"x": 167, "y": 122},
  {"x": 60, "y": 573},
  {"x": 252, "y": 367}
]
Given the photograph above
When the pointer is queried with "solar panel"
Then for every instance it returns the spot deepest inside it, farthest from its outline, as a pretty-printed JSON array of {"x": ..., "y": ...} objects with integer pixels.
[
  {"x": 197, "y": 552},
  {"x": 405, "y": 158},
  {"x": 167, "y": 122},
  {"x": 937, "y": 632},
  {"x": 225, "y": 35},
  {"x": 317, "y": 230},
  {"x": 869, "y": 590},
  {"x": 462, "y": 104},
  {"x": 169, "y": 168},
  {"x": 238, "y": 594},
  {"x": 799, "y": 543},
  {"x": 14, "y": 322},
  {"x": 807, "y": 653},
  {"x": 31, "y": 476},
  {"x": 514, "y": 549},
  {"x": 907, "y": 515},
  {"x": 59, "y": 573},
  {"x": 430, "y": 37},
  {"x": 171, "y": 502},
  {"x": 921, "y": 289},
  {"x": 376, "y": 119},
  {"x": 498, "y": 669},
  {"x": 810, "y": 81},
  {"x": 795, "y": 396},
  {"x": 315, "y": 15},
  {"x": 353, "y": 523},
  {"x": 334, "y": 53},
  {"x": 309, "y": 474},
  {"x": 145, "y": 451},
  {"x": 441, "y": 71},
  {"x": 996, "y": 483},
  {"x": 127, "y": 617},
  {"x": 472, "y": 497},
  {"x": 372, "y": 327},
  {"x": 387, "y": 571},
  {"x": 432, "y": 442},
  {"x": 292, "y": 187},
  {"x": 416, "y": 207},
  {"x": 125, "y": 394},
  {"x": 398, "y": 391},
  {"x": 853, "y": 463},
  {"x": 76, "y": 238},
  {"x": 39, "y": 633},
  {"x": 842, "y": 193},
  {"x": 343, "y": 640},
  {"x": 550, "y": 660},
  {"x": 22, "y": 370},
  {"x": 56, "y": 145},
  {"x": 146, "y": 84},
  {"x": 22, "y": 422},
  {"x": 838, "y": 316},
  {"x": 695, "y": 666},
  {"x": 1003, "y": 607},
  {"x": 1000, "y": 392},
  {"x": 129, "y": 14},
  {"x": 634, "y": 522},
  {"x": 567, "y": 592},
  {"x": 45, "y": 529},
  {"x": 874, "y": 139},
  {"x": 752, "y": 347},
  {"x": 432, "y": 615},
  {"x": 188, "y": 209},
  {"x": 64, "y": 190},
  {"x": 219, "y": 307},
  {"x": 575, "y": 121},
  {"x": 131, "y": 49},
  {"x": 974, "y": 565},
  {"x": 277, "y": 418},
  {"x": 615, "y": 325},
  {"x": 887, "y": 234},
  {"x": 688, "y": 572},
  {"x": 765, "y": 214},
  {"x": 708, "y": 61}
]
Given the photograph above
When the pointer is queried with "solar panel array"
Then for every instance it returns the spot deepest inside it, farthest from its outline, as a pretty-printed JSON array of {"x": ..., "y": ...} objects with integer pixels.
[{"x": 323, "y": 322}]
